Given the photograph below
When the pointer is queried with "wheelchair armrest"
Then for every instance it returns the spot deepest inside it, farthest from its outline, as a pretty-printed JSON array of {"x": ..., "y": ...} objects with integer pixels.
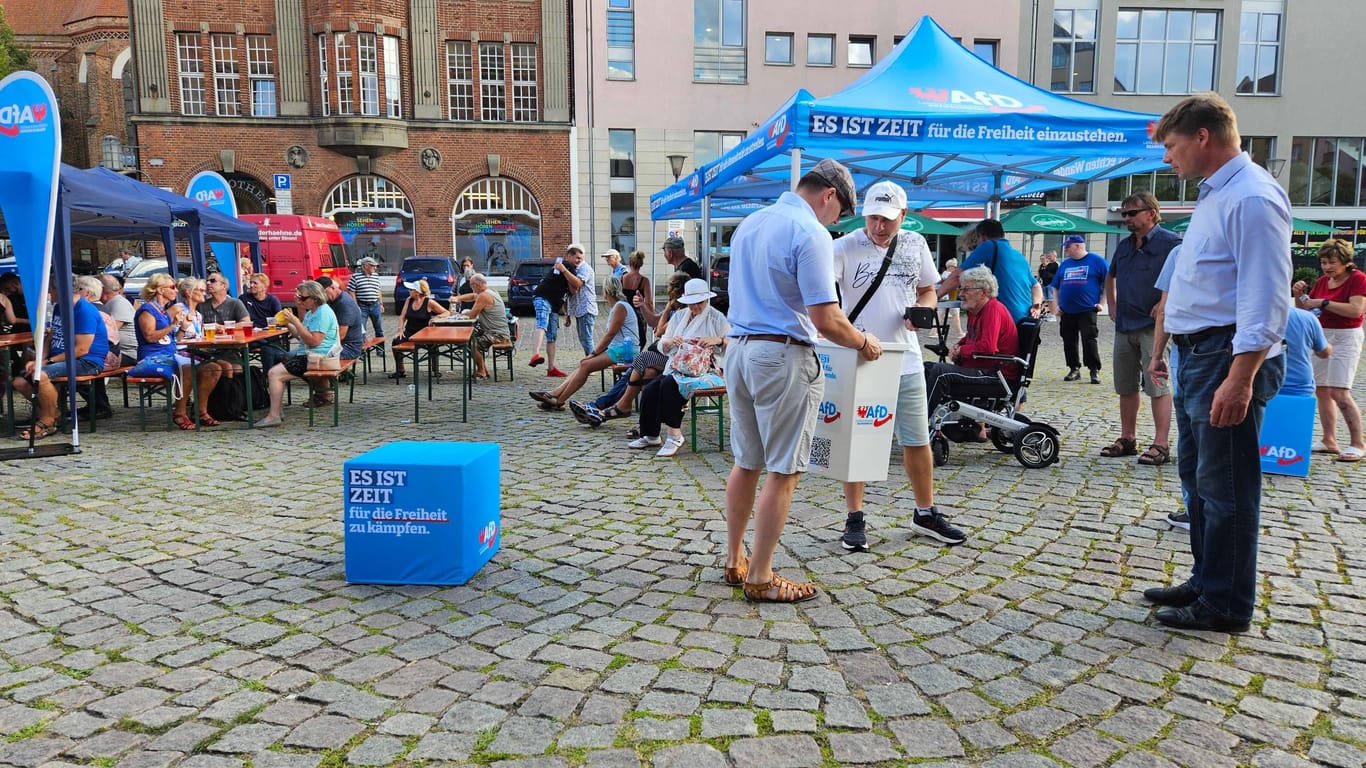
[{"x": 999, "y": 358}]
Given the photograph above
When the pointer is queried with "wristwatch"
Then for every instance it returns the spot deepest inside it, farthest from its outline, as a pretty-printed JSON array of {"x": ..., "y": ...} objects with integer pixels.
[{"x": 1323, "y": 305}]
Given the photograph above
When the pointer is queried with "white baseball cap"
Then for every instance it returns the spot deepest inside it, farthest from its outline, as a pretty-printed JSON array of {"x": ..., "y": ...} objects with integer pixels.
[
  {"x": 885, "y": 199},
  {"x": 611, "y": 252}
]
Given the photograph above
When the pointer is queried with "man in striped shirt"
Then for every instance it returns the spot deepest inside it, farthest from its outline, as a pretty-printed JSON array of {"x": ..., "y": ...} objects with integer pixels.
[{"x": 365, "y": 288}]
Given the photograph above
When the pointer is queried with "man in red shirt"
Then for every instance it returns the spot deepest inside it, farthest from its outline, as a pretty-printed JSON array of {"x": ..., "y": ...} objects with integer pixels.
[{"x": 991, "y": 331}]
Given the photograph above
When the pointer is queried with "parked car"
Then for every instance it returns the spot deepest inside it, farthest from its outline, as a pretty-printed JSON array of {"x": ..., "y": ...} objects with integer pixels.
[
  {"x": 438, "y": 271},
  {"x": 522, "y": 285},
  {"x": 8, "y": 265},
  {"x": 133, "y": 282},
  {"x": 720, "y": 283}
]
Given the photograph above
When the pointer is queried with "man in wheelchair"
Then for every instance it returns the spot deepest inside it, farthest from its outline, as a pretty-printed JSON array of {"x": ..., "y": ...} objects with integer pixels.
[{"x": 987, "y": 380}]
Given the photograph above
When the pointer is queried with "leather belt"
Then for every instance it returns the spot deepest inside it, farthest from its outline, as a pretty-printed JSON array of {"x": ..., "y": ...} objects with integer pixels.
[
  {"x": 1191, "y": 339},
  {"x": 775, "y": 337}
]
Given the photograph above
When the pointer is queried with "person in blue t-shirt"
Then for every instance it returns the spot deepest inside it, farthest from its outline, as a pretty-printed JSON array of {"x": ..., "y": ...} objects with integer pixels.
[
  {"x": 1303, "y": 334},
  {"x": 90, "y": 347},
  {"x": 1019, "y": 290},
  {"x": 1077, "y": 289}
]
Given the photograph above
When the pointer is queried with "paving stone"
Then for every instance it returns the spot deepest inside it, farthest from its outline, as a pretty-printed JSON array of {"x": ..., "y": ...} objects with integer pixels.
[
  {"x": 986, "y": 735},
  {"x": 655, "y": 729},
  {"x": 856, "y": 748},
  {"x": 776, "y": 752},
  {"x": 588, "y": 737},
  {"x": 1335, "y": 753},
  {"x": 376, "y": 750},
  {"x": 897, "y": 700},
  {"x": 1135, "y": 724},
  {"x": 926, "y": 739},
  {"x": 846, "y": 712},
  {"x": 323, "y": 732},
  {"x": 690, "y": 756},
  {"x": 524, "y": 736},
  {"x": 728, "y": 722},
  {"x": 613, "y": 758},
  {"x": 248, "y": 738},
  {"x": 669, "y": 703}
]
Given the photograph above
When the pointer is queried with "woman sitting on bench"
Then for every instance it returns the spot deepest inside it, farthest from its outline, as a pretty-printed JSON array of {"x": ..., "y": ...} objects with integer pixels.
[{"x": 317, "y": 332}]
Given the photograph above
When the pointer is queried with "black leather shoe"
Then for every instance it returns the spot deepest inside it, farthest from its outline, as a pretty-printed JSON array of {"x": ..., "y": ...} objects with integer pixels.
[
  {"x": 1072, "y": 375},
  {"x": 1194, "y": 616},
  {"x": 1178, "y": 596}
]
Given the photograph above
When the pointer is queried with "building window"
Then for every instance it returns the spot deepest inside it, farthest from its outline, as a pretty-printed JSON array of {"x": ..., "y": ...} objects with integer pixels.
[
  {"x": 374, "y": 216},
  {"x": 1262, "y": 149},
  {"x": 226, "y": 86},
  {"x": 492, "y": 87},
  {"x": 367, "y": 56},
  {"x": 621, "y": 40},
  {"x": 861, "y": 52},
  {"x": 1326, "y": 171},
  {"x": 497, "y": 223},
  {"x": 1166, "y": 186},
  {"x": 525, "y": 93},
  {"x": 778, "y": 48},
  {"x": 1259, "y": 48},
  {"x": 1159, "y": 51},
  {"x": 190, "y": 63},
  {"x": 346, "y": 89},
  {"x": 261, "y": 72},
  {"x": 718, "y": 41},
  {"x": 1074, "y": 50},
  {"x": 459, "y": 80},
  {"x": 621, "y": 154},
  {"x": 323, "y": 87},
  {"x": 986, "y": 50},
  {"x": 393, "y": 83},
  {"x": 709, "y": 145},
  {"x": 820, "y": 50}
]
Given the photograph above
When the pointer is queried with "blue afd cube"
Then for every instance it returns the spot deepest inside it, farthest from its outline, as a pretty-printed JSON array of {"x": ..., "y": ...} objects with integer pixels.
[
  {"x": 421, "y": 513},
  {"x": 1287, "y": 434}
]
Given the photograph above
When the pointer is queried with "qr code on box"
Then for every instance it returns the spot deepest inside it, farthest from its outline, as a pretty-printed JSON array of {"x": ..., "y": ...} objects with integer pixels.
[{"x": 820, "y": 452}]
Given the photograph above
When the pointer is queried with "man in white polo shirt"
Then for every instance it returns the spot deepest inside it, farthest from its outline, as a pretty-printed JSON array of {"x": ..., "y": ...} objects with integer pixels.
[{"x": 879, "y": 305}]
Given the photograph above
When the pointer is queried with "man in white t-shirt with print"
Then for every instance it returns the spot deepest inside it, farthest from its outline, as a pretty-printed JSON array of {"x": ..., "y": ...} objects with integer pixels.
[{"x": 909, "y": 280}]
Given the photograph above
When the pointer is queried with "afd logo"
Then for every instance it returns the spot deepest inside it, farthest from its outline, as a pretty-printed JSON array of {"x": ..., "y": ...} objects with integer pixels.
[
  {"x": 830, "y": 413},
  {"x": 694, "y": 183},
  {"x": 22, "y": 117},
  {"x": 875, "y": 414},
  {"x": 1283, "y": 454},
  {"x": 488, "y": 535},
  {"x": 996, "y": 102},
  {"x": 777, "y": 132},
  {"x": 208, "y": 197}
]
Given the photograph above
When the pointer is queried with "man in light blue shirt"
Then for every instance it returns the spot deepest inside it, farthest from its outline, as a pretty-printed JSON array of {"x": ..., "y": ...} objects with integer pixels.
[
  {"x": 782, "y": 282},
  {"x": 1226, "y": 311},
  {"x": 582, "y": 305}
]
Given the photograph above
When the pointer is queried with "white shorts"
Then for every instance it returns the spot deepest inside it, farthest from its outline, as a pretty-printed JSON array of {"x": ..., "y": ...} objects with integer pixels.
[
  {"x": 1340, "y": 369},
  {"x": 775, "y": 392},
  {"x": 912, "y": 411}
]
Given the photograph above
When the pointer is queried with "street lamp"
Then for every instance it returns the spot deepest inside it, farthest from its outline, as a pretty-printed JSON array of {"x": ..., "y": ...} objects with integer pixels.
[{"x": 676, "y": 165}]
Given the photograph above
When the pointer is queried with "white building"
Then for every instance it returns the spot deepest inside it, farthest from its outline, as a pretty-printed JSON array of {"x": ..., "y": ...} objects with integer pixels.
[{"x": 690, "y": 78}]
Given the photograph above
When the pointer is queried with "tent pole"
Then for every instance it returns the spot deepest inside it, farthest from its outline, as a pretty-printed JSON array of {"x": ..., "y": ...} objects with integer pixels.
[
  {"x": 61, "y": 263},
  {"x": 796, "y": 173},
  {"x": 705, "y": 255}
]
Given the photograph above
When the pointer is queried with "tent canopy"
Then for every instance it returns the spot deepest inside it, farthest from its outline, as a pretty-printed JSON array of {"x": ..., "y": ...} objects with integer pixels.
[
  {"x": 933, "y": 117},
  {"x": 1038, "y": 219},
  {"x": 212, "y": 224},
  {"x": 94, "y": 207}
]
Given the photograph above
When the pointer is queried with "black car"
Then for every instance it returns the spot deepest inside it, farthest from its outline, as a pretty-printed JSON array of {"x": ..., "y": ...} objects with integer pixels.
[
  {"x": 522, "y": 286},
  {"x": 720, "y": 283}
]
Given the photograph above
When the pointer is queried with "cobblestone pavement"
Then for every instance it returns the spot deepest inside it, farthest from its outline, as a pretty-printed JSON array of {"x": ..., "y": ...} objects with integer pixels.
[{"x": 178, "y": 599}]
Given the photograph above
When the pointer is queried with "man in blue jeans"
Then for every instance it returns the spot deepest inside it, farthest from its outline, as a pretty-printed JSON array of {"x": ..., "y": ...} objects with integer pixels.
[{"x": 1226, "y": 311}]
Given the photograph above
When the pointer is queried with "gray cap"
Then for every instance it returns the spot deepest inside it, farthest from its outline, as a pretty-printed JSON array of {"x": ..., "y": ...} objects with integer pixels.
[
  {"x": 674, "y": 243},
  {"x": 838, "y": 176},
  {"x": 367, "y": 260}
]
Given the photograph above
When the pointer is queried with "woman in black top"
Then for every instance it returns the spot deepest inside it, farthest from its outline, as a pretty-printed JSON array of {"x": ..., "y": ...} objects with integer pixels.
[
  {"x": 633, "y": 284},
  {"x": 417, "y": 313}
]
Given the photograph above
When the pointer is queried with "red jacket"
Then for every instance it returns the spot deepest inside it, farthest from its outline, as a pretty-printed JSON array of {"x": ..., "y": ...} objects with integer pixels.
[{"x": 991, "y": 331}]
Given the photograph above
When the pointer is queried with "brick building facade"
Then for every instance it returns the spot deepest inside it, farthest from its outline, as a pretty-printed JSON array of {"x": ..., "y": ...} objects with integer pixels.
[{"x": 421, "y": 127}]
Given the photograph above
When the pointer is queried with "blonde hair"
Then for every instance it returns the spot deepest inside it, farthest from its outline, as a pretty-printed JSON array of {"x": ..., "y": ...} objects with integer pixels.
[
  {"x": 1203, "y": 110},
  {"x": 155, "y": 283},
  {"x": 1340, "y": 251},
  {"x": 423, "y": 288},
  {"x": 636, "y": 260}
]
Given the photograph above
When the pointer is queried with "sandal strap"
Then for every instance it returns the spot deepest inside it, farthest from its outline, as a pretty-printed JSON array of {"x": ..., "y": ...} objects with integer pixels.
[{"x": 787, "y": 591}]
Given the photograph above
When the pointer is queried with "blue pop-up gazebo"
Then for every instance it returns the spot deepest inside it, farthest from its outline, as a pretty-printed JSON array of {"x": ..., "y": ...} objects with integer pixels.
[{"x": 933, "y": 117}]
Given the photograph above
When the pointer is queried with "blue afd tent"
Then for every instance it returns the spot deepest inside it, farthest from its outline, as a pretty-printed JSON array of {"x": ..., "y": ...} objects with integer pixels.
[{"x": 933, "y": 117}]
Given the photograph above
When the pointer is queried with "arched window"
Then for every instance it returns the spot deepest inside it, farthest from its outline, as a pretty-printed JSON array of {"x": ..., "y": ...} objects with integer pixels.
[
  {"x": 496, "y": 222},
  {"x": 375, "y": 219}
]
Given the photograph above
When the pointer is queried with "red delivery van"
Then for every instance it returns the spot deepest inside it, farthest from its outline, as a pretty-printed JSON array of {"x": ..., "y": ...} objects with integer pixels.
[{"x": 298, "y": 248}]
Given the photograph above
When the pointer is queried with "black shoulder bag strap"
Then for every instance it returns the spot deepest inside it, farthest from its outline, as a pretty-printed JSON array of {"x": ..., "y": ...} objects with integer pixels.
[{"x": 877, "y": 281}]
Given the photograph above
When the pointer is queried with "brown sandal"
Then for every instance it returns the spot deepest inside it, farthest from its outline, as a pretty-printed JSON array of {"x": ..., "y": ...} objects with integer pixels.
[
  {"x": 736, "y": 574},
  {"x": 1155, "y": 455},
  {"x": 1124, "y": 446},
  {"x": 784, "y": 591}
]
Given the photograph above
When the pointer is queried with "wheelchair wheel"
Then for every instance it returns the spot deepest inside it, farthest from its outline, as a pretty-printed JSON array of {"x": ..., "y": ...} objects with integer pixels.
[
  {"x": 1036, "y": 447},
  {"x": 939, "y": 448},
  {"x": 1003, "y": 442}
]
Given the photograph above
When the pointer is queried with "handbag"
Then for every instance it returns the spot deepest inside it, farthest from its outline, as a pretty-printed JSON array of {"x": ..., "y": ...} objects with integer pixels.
[
  {"x": 692, "y": 358},
  {"x": 687, "y": 385},
  {"x": 318, "y": 362},
  {"x": 154, "y": 367}
]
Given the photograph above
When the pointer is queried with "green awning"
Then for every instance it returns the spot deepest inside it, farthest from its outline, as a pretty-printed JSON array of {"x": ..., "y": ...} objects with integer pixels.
[
  {"x": 914, "y": 223},
  {"x": 1037, "y": 218},
  {"x": 1297, "y": 226}
]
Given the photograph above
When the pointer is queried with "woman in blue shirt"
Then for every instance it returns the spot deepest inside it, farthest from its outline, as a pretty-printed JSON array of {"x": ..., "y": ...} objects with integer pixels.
[{"x": 317, "y": 332}]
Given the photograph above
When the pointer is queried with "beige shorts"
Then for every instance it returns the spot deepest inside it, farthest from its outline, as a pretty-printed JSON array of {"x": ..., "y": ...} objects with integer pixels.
[
  {"x": 775, "y": 392},
  {"x": 1130, "y": 364},
  {"x": 1340, "y": 369}
]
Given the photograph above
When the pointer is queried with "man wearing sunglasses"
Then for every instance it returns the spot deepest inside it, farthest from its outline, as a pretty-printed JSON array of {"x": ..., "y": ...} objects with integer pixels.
[
  {"x": 782, "y": 294},
  {"x": 1131, "y": 295}
]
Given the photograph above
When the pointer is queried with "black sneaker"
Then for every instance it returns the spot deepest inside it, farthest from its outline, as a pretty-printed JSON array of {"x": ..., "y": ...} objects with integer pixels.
[
  {"x": 936, "y": 526},
  {"x": 1180, "y": 519},
  {"x": 854, "y": 539},
  {"x": 1072, "y": 375}
]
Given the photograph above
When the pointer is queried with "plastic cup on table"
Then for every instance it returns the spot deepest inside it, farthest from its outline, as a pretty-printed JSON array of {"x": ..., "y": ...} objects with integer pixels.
[
  {"x": 229, "y": 326},
  {"x": 210, "y": 331}
]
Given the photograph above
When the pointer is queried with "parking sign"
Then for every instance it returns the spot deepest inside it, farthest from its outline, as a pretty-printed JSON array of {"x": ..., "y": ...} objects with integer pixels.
[{"x": 282, "y": 181}]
